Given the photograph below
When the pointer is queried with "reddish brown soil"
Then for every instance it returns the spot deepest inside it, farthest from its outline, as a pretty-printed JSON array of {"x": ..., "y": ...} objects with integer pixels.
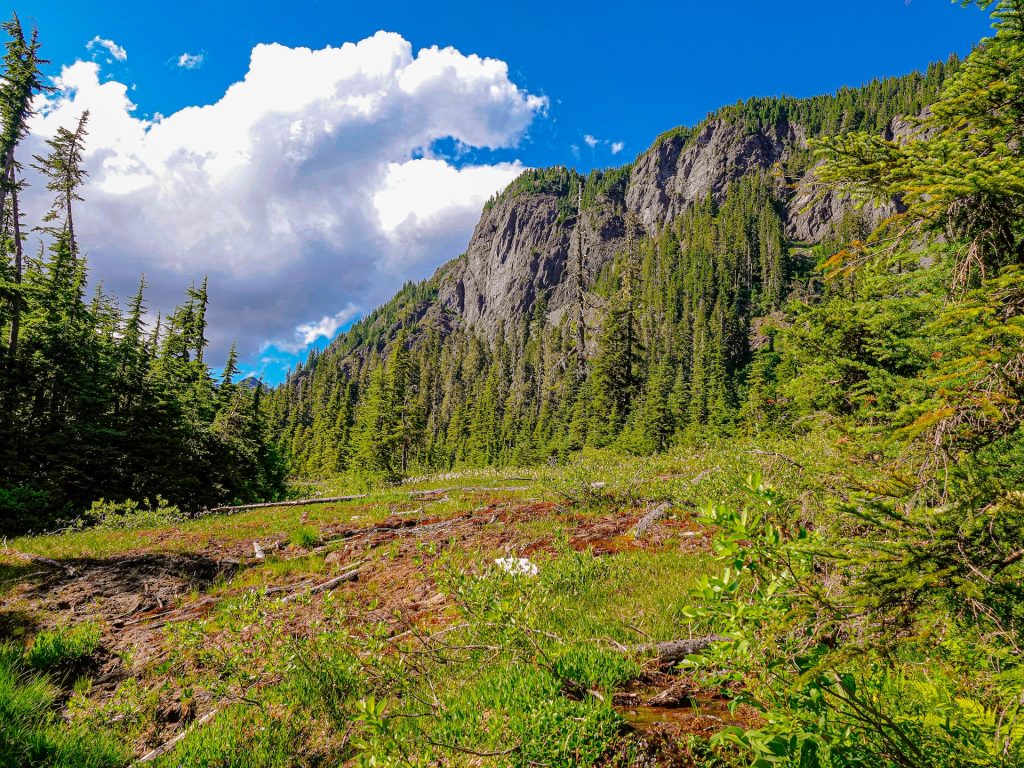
[{"x": 136, "y": 594}]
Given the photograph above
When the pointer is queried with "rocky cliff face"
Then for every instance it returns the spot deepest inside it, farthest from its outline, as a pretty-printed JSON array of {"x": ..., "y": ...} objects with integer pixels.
[
  {"x": 671, "y": 175},
  {"x": 521, "y": 250}
]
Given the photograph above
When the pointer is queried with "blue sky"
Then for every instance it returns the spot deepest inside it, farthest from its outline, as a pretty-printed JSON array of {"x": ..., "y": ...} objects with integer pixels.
[{"x": 300, "y": 248}]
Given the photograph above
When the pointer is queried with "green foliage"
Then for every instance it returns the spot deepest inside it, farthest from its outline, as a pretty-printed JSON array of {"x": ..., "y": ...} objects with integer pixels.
[
  {"x": 304, "y": 536},
  {"x": 95, "y": 403},
  {"x": 24, "y": 508},
  {"x": 63, "y": 647},
  {"x": 128, "y": 515},
  {"x": 241, "y": 736},
  {"x": 901, "y": 655},
  {"x": 33, "y": 736}
]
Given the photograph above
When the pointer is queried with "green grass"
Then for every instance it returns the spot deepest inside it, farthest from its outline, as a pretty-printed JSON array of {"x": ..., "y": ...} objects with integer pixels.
[
  {"x": 241, "y": 736},
  {"x": 31, "y": 733},
  {"x": 304, "y": 536},
  {"x": 524, "y": 668},
  {"x": 192, "y": 535},
  {"x": 63, "y": 647}
]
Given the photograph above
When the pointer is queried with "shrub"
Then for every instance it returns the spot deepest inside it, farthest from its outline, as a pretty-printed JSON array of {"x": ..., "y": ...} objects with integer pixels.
[
  {"x": 130, "y": 514},
  {"x": 591, "y": 667},
  {"x": 240, "y": 737}
]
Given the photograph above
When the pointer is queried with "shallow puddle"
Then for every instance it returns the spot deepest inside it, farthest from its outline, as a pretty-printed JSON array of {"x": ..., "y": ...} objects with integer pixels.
[{"x": 694, "y": 715}]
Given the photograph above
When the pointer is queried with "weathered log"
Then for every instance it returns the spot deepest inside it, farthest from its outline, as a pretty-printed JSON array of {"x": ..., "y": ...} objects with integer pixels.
[
  {"x": 431, "y": 491},
  {"x": 674, "y": 651},
  {"x": 470, "y": 489},
  {"x": 650, "y": 519},
  {"x": 680, "y": 693},
  {"x": 292, "y": 503},
  {"x": 326, "y": 586},
  {"x": 352, "y": 575}
]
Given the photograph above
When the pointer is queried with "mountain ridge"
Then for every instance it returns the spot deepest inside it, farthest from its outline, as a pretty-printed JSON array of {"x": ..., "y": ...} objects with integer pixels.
[
  {"x": 519, "y": 247},
  {"x": 649, "y": 283}
]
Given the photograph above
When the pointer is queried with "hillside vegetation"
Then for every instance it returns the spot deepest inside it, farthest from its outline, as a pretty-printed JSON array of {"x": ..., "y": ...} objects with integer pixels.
[
  {"x": 739, "y": 501},
  {"x": 679, "y": 334}
]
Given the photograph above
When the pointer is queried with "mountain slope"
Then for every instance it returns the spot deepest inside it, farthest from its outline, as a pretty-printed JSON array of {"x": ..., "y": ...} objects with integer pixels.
[{"x": 656, "y": 270}]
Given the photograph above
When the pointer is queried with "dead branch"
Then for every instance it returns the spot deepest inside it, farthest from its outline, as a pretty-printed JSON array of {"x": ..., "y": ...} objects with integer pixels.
[
  {"x": 674, "y": 651},
  {"x": 480, "y": 489},
  {"x": 431, "y": 491},
  {"x": 330, "y": 584},
  {"x": 650, "y": 519},
  {"x": 292, "y": 503}
]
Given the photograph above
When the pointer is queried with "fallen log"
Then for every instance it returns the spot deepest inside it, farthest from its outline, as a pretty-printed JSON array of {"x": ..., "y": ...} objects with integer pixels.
[
  {"x": 674, "y": 651},
  {"x": 352, "y": 575},
  {"x": 650, "y": 519},
  {"x": 292, "y": 503},
  {"x": 326, "y": 586},
  {"x": 679, "y": 694},
  {"x": 431, "y": 491}
]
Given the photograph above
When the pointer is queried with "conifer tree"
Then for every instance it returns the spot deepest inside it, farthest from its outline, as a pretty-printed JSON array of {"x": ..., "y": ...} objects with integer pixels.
[
  {"x": 20, "y": 82},
  {"x": 65, "y": 175}
]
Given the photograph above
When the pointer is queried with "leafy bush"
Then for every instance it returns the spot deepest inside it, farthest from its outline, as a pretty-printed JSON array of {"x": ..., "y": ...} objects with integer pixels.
[
  {"x": 591, "y": 667},
  {"x": 63, "y": 647},
  {"x": 888, "y": 648},
  {"x": 130, "y": 514}
]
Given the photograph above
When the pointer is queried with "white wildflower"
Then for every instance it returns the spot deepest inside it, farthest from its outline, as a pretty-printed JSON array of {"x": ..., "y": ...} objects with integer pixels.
[{"x": 517, "y": 565}]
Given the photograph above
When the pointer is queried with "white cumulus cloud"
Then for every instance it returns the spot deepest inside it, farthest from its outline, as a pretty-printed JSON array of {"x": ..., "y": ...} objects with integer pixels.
[
  {"x": 308, "y": 190},
  {"x": 115, "y": 50},
  {"x": 324, "y": 328},
  {"x": 591, "y": 141},
  {"x": 191, "y": 60},
  {"x": 618, "y": 146}
]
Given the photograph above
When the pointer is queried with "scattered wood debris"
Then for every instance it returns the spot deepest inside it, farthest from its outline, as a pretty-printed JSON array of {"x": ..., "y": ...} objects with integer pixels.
[{"x": 292, "y": 503}]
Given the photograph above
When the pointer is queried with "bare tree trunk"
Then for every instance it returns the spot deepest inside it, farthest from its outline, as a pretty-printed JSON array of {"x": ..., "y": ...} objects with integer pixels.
[
  {"x": 72, "y": 246},
  {"x": 8, "y": 169}
]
